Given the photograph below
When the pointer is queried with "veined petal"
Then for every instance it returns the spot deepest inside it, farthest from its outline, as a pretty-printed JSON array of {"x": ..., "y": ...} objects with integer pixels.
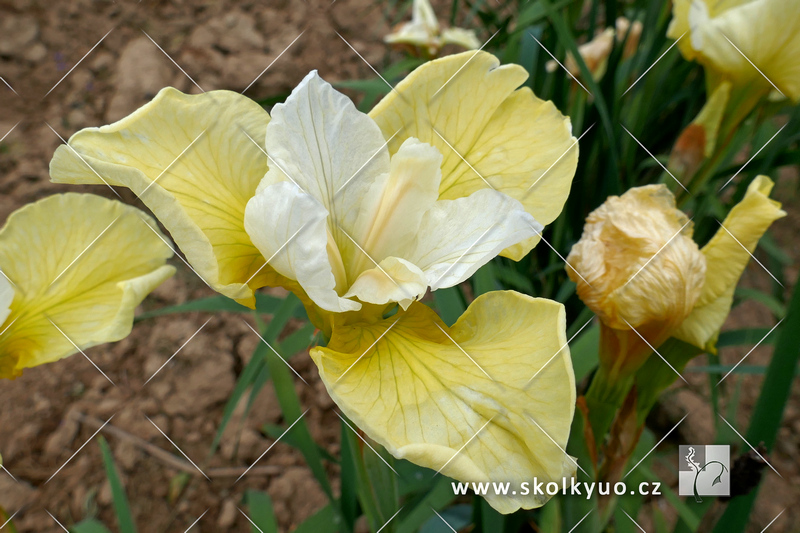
[
  {"x": 80, "y": 263},
  {"x": 321, "y": 142},
  {"x": 461, "y": 400},
  {"x": 457, "y": 237},
  {"x": 189, "y": 159},
  {"x": 289, "y": 227},
  {"x": 469, "y": 107},
  {"x": 727, "y": 255}
]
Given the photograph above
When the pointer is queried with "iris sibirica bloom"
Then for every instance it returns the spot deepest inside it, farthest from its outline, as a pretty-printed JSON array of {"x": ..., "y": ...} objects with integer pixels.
[
  {"x": 424, "y": 36},
  {"x": 360, "y": 215}
]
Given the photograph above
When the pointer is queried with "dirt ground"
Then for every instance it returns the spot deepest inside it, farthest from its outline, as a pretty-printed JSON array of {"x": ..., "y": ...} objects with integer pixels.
[{"x": 59, "y": 77}]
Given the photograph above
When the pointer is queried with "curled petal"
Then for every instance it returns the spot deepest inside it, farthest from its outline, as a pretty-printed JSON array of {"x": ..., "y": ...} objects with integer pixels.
[
  {"x": 457, "y": 237},
  {"x": 289, "y": 227},
  {"x": 461, "y": 400},
  {"x": 79, "y": 264},
  {"x": 392, "y": 280},
  {"x": 195, "y": 161},
  {"x": 727, "y": 255},
  {"x": 489, "y": 132}
]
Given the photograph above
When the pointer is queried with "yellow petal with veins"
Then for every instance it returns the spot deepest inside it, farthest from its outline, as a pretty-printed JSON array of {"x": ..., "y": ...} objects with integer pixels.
[
  {"x": 79, "y": 264},
  {"x": 727, "y": 255},
  {"x": 491, "y": 133},
  {"x": 489, "y": 399},
  {"x": 195, "y": 161}
]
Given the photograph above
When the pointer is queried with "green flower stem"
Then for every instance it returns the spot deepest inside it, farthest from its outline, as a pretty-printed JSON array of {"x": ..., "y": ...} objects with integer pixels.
[{"x": 605, "y": 396}]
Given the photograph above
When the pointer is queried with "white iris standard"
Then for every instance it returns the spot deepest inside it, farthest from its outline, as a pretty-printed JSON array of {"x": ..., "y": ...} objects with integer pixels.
[{"x": 353, "y": 225}]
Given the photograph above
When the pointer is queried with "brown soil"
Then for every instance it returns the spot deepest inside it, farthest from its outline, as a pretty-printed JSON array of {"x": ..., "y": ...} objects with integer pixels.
[{"x": 49, "y": 413}]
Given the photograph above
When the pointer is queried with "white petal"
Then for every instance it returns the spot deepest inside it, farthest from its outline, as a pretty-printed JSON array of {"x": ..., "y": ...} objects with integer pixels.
[
  {"x": 6, "y": 297},
  {"x": 459, "y": 236},
  {"x": 289, "y": 228},
  {"x": 410, "y": 189},
  {"x": 394, "y": 280},
  {"x": 321, "y": 142}
]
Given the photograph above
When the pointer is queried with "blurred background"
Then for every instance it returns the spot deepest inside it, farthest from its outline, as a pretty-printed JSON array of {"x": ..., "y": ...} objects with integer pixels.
[{"x": 70, "y": 65}]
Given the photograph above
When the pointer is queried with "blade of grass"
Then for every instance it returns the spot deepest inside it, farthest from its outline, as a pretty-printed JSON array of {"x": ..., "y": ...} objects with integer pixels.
[
  {"x": 89, "y": 525},
  {"x": 120, "y": 499},
  {"x": 323, "y": 521},
  {"x": 264, "y": 304},
  {"x": 766, "y": 417},
  {"x": 288, "y": 400},
  {"x": 261, "y": 512}
]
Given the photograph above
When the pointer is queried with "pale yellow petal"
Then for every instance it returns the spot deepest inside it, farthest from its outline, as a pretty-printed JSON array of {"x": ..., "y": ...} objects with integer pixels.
[
  {"x": 461, "y": 37},
  {"x": 79, "y": 263},
  {"x": 488, "y": 130},
  {"x": 679, "y": 28},
  {"x": 727, "y": 255},
  {"x": 421, "y": 390},
  {"x": 741, "y": 40},
  {"x": 195, "y": 161}
]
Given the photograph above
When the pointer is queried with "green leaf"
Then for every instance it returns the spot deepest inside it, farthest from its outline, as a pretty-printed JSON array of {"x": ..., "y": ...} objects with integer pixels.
[
  {"x": 584, "y": 351},
  {"x": 248, "y": 376},
  {"x": 275, "y": 431},
  {"x": 265, "y": 304},
  {"x": 686, "y": 512},
  {"x": 383, "y": 484},
  {"x": 484, "y": 280},
  {"x": 770, "y": 302},
  {"x": 323, "y": 521},
  {"x": 656, "y": 375},
  {"x": 744, "y": 336},
  {"x": 491, "y": 520},
  {"x": 261, "y": 512},
  {"x": 450, "y": 304},
  {"x": 5, "y": 518},
  {"x": 90, "y": 525},
  {"x": 283, "y": 379},
  {"x": 766, "y": 418},
  {"x": 121, "y": 507},
  {"x": 456, "y": 518},
  {"x": 436, "y": 495}
]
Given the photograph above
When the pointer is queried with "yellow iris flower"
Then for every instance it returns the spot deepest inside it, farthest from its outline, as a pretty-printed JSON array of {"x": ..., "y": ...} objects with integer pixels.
[
  {"x": 74, "y": 268},
  {"x": 358, "y": 214},
  {"x": 637, "y": 267},
  {"x": 424, "y": 35},
  {"x": 751, "y": 43}
]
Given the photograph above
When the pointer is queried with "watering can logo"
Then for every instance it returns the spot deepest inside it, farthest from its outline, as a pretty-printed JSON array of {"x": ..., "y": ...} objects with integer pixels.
[{"x": 704, "y": 471}]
